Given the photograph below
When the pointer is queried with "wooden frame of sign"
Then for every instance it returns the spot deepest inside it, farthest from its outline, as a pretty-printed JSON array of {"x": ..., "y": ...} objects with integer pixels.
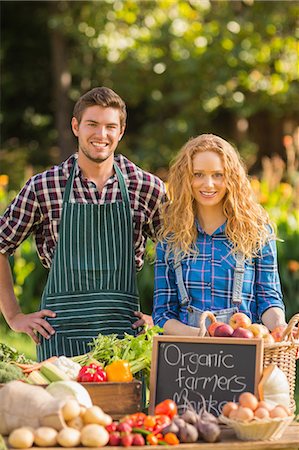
[{"x": 197, "y": 371}]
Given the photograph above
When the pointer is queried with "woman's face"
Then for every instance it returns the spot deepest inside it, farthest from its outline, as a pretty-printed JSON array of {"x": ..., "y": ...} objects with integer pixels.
[{"x": 208, "y": 183}]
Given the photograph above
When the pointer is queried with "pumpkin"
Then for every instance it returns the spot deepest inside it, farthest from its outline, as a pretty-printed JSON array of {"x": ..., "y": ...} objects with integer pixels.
[{"x": 274, "y": 387}]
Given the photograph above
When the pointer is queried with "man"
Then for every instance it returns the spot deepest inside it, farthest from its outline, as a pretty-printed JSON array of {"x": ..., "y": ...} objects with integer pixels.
[{"x": 90, "y": 217}]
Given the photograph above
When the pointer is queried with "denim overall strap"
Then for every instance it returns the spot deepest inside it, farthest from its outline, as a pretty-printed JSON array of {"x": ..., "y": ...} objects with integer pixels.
[
  {"x": 180, "y": 282},
  {"x": 238, "y": 279}
]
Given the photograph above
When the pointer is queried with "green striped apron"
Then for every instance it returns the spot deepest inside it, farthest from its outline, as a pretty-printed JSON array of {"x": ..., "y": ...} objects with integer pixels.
[{"x": 92, "y": 281}]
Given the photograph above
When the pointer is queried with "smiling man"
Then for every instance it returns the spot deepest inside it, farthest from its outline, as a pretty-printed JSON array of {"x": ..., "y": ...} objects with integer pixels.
[{"x": 90, "y": 217}]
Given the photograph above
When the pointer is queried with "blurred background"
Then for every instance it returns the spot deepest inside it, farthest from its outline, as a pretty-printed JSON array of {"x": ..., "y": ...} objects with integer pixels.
[{"x": 183, "y": 68}]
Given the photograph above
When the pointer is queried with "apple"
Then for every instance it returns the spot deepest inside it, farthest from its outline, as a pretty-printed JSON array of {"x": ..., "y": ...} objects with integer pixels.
[
  {"x": 268, "y": 339},
  {"x": 239, "y": 320},
  {"x": 224, "y": 330},
  {"x": 259, "y": 330},
  {"x": 242, "y": 333},
  {"x": 278, "y": 332},
  {"x": 212, "y": 327}
]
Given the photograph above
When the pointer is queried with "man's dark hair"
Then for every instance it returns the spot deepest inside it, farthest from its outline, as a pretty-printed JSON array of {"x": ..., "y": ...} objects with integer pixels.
[{"x": 101, "y": 96}]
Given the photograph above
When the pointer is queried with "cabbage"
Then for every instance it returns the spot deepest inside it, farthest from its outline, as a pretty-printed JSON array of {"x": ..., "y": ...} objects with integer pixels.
[{"x": 70, "y": 389}]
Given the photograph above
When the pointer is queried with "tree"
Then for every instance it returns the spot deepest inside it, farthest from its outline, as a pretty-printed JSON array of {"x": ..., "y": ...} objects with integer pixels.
[{"x": 183, "y": 67}]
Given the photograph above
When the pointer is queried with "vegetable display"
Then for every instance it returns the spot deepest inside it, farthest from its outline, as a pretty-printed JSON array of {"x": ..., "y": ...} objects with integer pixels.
[
  {"x": 92, "y": 373},
  {"x": 136, "y": 350},
  {"x": 119, "y": 371},
  {"x": 9, "y": 372},
  {"x": 9, "y": 354}
]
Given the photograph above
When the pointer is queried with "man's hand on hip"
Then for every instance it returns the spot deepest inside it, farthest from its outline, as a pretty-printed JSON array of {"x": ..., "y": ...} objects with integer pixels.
[
  {"x": 144, "y": 319},
  {"x": 33, "y": 323}
]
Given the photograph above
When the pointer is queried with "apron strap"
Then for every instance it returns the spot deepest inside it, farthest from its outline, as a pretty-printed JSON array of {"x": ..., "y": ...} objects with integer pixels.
[
  {"x": 122, "y": 185},
  {"x": 120, "y": 177},
  {"x": 180, "y": 282},
  {"x": 238, "y": 279},
  {"x": 69, "y": 184}
]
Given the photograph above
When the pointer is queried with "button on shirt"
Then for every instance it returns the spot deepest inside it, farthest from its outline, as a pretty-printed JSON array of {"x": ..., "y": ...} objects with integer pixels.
[
  {"x": 37, "y": 208},
  {"x": 208, "y": 279}
]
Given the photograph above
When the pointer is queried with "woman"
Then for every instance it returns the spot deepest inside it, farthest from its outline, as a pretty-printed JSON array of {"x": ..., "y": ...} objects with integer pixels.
[{"x": 217, "y": 249}]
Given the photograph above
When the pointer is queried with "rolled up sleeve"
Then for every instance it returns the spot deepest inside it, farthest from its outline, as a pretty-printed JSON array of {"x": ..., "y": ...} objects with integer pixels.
[
  {"x": 268, "y": 287},
  {"x": 19, "y": 220}
]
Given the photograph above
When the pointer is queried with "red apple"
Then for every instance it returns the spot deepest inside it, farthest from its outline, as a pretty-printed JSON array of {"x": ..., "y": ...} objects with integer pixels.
[
  {"x": 224, "y": 330},
  {"x": 242, "y": 333},
  {"x": 213, "y": 326},
  {"x": 239, "y": 320},
  {"x": 259, "y": 330}
]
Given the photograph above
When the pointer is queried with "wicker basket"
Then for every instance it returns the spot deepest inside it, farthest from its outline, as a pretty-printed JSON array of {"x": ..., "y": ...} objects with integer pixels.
[
  {"x": 258, "y": 429},
  {"x": 283, "y": 354}
]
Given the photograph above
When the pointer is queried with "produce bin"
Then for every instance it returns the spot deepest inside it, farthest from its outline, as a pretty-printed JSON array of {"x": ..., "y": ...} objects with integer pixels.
[{"x": 116, "y": 399}]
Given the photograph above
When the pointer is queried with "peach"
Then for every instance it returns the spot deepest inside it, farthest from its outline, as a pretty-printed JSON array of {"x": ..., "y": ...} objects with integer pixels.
[
  {"x": 239, "y": 320},
  {"x": 228, "y": 408},
  {"x": 232, "y": 415},
  {"x": 248, "y": 400},
  {"x": 278, "y": 411},
  {"x": 262, "y": 404},
  {"x": 244, "y": 414},
  {"x": 261, "y": 413}
]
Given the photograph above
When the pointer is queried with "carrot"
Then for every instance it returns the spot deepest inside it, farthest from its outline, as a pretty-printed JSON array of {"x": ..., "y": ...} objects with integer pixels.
[{"x": 28, "y": 368}]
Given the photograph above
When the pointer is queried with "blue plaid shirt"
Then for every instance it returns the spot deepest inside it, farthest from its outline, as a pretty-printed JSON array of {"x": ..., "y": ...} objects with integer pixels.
[{"x": 208, "y": 279}]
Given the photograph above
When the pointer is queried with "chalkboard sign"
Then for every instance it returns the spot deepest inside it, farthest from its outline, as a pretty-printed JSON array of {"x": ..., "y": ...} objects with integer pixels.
[{"x": 204, "y": 370}]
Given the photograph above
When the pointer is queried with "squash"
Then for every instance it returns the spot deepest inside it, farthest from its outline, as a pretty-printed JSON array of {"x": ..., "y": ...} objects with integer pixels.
[{"x": 274, "y": 387}]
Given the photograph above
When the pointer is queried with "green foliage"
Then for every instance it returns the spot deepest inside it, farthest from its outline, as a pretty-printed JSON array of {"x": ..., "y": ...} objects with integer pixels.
[{"x": 183, "y": 67}]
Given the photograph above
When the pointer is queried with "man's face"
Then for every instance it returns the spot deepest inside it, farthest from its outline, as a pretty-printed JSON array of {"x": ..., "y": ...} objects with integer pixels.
[{"x": 98, "y": 132}]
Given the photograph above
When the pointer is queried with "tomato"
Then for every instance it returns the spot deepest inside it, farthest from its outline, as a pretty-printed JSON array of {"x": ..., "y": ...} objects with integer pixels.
[{"x": 167, "y": 407}]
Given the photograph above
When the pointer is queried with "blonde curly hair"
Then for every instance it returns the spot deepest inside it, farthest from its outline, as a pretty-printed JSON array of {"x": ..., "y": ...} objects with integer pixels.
[{"x": 248, "y": 226}]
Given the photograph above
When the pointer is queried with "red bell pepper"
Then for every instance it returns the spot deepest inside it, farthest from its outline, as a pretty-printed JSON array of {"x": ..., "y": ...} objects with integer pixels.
[{"x": 92, "y": 373}]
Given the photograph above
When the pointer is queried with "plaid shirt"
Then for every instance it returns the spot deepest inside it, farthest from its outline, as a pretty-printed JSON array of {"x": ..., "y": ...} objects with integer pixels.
[
  {"x": 37, "y": 208},
  {"x": 208, "y": 279}
]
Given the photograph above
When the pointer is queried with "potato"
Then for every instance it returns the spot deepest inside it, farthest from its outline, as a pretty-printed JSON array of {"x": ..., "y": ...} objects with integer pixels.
[
  {"x": 21, "y": 438},
  {"x": 45, "y": 437},
  {"x": 71, "y": 409},
  {"x": 94, "y": 435},
  {"x": 95, "y": 414},
  {"x": 69, "y": 437},
  {"x": 76, "y": 423}
]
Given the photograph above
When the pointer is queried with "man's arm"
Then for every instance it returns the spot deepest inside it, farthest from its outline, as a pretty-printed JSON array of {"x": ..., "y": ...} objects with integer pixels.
[{"x": 25, "y": 323}]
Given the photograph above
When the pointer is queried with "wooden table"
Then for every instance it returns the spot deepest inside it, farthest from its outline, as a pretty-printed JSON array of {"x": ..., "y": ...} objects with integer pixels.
[{"x": 288, "y": 441}]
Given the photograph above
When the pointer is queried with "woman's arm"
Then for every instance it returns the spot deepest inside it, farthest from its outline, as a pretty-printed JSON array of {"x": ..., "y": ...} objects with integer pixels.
[
  {"x": 173, "y": 326},
  {"x": 270, "y": 305},
  {"x": 274, "y": 317}
]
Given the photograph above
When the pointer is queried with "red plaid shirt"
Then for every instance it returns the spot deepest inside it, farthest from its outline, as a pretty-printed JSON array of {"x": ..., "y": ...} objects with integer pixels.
[{"x": 37, "y": 208}]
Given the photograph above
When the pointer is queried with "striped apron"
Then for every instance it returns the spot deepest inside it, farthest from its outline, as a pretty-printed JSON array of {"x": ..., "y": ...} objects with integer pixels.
[{"x": 92, "y": 281}]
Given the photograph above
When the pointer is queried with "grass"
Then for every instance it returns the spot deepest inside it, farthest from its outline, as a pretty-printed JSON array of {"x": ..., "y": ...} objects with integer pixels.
[{"x": 21, "y": 342}]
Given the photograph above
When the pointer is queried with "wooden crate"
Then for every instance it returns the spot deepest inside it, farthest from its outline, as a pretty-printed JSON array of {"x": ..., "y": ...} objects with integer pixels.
[{"x": 116, "y": 399}]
